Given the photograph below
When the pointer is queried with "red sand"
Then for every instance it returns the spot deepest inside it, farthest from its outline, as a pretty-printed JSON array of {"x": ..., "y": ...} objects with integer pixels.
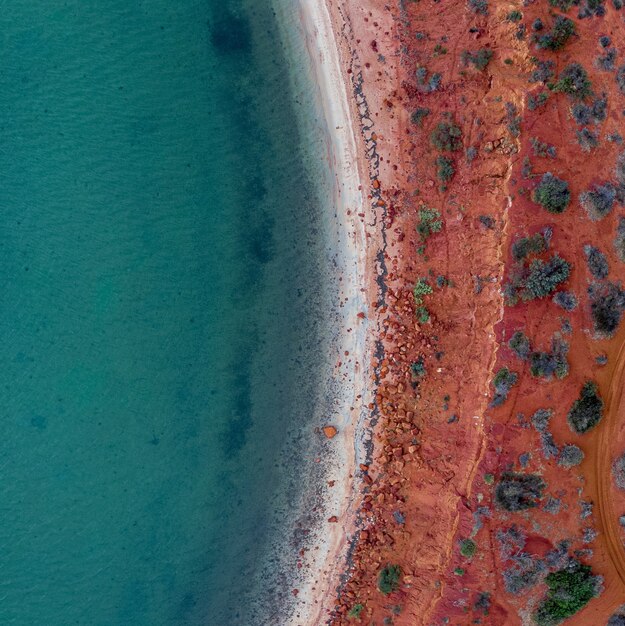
[{"x": 437, "y": 440}]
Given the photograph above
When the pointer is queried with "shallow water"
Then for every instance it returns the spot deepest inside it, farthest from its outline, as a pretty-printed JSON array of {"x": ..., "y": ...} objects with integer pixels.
[{"x": 163, "y": 259}]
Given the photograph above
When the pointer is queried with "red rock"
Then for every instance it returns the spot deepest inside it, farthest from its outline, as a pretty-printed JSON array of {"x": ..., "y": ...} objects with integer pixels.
[{"x": 329, "y": 431}]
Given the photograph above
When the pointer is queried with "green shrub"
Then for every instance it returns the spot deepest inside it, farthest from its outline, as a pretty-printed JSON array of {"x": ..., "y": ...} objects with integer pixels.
[
  {"x": 607, "y": 302},
  {"x": 418, "y": 115},
  {"x": 570, "y": 456},
  {"x": 520, "y": 345},
  {"x": 479, "y": 59},
  {"x": 563, "y": 29},
  {"x": 468, "y": 548},
  {"x": 547, "y": 364},
  {"x": 418, "y": 367},
  {"x": 552, "y": 193},
  {"x": 570, "y": 589},
  {"x": 514, "y": 16},
  {"x": 597, "y": 262},
  {"x": 599, "y": 201},
  {"x": 446, "y": 137},
  {"x": 445, "y": 168},
  {"x": 619, "y": 240},
  {"x": 525, "y": 246},
  {"x": 573, "y": 81},
  {"x": 503, "y": 381},
  {"x": 534, "y": 102},
  {"x": 356, "y": 610},
  {"x": 563, "y": 5},
  {"x": 587, "y": 410},
  {"x": 586, "y": 139},
  {"x": 544, "y": 277},
  {"x": 388, "y": 579},
  {"x": 429, "y": 222},
  {"x": 518, "y": 492},
  {"x": 479, "y": 6},
  {"x": 422, "y": 288}
]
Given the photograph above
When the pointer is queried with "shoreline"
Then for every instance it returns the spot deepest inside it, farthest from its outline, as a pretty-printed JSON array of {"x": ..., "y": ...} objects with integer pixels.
[{"x": 326, "y": 560}]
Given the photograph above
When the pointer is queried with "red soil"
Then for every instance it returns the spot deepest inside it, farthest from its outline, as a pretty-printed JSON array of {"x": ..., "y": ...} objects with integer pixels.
[{"x": 437, "y": 438}]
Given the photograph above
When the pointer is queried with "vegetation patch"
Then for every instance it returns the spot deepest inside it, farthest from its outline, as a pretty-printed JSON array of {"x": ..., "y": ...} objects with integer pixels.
[
  {"x": 518, "y": 492},
  {"x": 356, "y": 610},
  {"x": 607, "y": 302},
  {"x": 563, "y": 29},
  {"x": 587, "y": 139},
  {"x": 587, "y": 410},
  {"x": 540, "y": 419},
  {"x": 446, "y": 137},
  {"x": 542, "y": 149},
  {"x": 444, "y": 169},
  {"x": 468, "y": 548},
  {"x": 598, "y": 202},
  {"x": 552, "y": 193},
  {"x": 419, "y": 114},
  {"x": 565, "y": 300},
  {"x": 574, "y": 82},
  {"x": 429, "y": 223},
  {"x": 535, "y": 102},
  {"x": 570, "y": 589},
  {"x": 503, "y": 381},
  {"x": 545, "y": 70},
  {"x": 422, "y": 288},
  {"x": 479, "y": 59},
  {"x": 597, "y": 262},
  {"x": 520, "y": 344},
  {"x": 479, "y": 6},
  {"x": 554, "y": 363},
  {"x": 388, "y": 579},
  {"x": 618, "y": 471},
  {"x": 570, "y": 456},
  {"x": 619, "y": 240},
  {"x": 535, "y": 244}
]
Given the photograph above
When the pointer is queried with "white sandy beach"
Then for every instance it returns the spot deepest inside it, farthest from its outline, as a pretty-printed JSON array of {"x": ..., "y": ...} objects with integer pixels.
[{"x": 316, "y": 589}]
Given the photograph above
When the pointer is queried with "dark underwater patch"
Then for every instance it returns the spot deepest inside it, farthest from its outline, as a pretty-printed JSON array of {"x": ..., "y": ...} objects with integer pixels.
[{"x": 231, "y": 34}]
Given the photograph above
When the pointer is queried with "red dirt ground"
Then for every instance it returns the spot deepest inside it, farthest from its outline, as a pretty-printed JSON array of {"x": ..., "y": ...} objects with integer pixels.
[{"x": 438, "y": 439}]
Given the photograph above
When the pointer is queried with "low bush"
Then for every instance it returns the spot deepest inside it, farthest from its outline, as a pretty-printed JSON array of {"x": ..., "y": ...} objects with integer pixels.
[
  {"x": 554, "y": 363},
  {"x": 534, "y": 102},
  {"x": 518, "y": 492},
  {"x": 514, "y": 16},
  {"x": 468, "y": 548},
  {"x": 552, "y": 193},
  {"x": 574, "y": 82},
  {"x": 598, "y": 202},
  {"x": 503, "y": 381},
  {"x": 620, "y": 78},
  {"x": 388, "y": 579},
  {"x": 563, "y": 29},
  {"x": 586, "y": 139},
  {"x": 444, "y": 169},
  {"x": 570, "y": 456},
  {"x": 419, "y": 114},
  {"x": 418, "y": 368},
  {"x": 619, "y": 240},
  {"x": 606, "y": 61},
  {"x": 618, "y": 619},
  {"x": 597, "y": 262},
  {"x": 596, "y": 112},
  {"x": 565, "y": 300},
  {"x": 422, "y": 288},
  {"x": 570, "y": 589},
  {"x": 545, "y": 70},
  {"x": 356, "y": 610},
  {"x": 618, "y": 471},
  {"x": 479, "y": 59},
  {"x": 563, "y": 5},
  {"x": 429, "y": 223},
  {"x": 607, "y": 303},
  {"x": 587, "y": 410},
  {"x": 446, "y": 137},
  {"x": 526, "y": 572},
  {"x": 542, "y": 149},
  {"x": 479, "y": 6},
  {"x": 540, "y": 419},
  {"x": 524, "y": 246},
  {"x": 619, "y": 171},
  {"x": 544, "y": 277},
  {"x": 520, "y": 345},
  {"x": 548, "y": 446}
]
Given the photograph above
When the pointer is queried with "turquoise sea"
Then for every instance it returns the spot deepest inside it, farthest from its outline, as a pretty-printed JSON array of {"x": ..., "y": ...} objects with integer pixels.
[{"x": 162, "y": 333}]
